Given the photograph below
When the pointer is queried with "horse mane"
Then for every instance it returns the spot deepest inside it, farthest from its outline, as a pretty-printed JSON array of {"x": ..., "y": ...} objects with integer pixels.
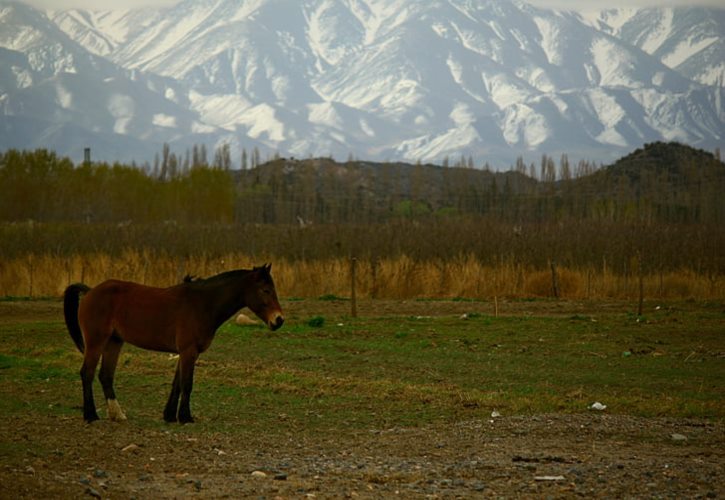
[{"x": 227, "y": 275}]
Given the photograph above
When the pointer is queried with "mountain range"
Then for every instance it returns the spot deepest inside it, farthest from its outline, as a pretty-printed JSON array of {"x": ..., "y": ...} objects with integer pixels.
[{"x": 390, "y": 80}]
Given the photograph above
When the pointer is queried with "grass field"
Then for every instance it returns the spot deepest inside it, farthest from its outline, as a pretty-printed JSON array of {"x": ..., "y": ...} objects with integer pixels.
[
  {"x": 331, "y": 371},
  {"x": 398, "y": 401}
]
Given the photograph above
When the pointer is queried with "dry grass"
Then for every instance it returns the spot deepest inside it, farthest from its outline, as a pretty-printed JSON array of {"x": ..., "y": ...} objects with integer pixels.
[{"x": 47, "y": 275}]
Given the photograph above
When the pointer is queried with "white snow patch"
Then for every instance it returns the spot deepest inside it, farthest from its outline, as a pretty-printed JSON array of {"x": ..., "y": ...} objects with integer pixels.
[
  {"x": 223, "y": 111},
  {"x": 522, "y": 124},
  {"x": 162, "y": 120},
  {"x": 660, "y": 33},
  {"x": 324, "y": 114},
  {"x": 608, "y": 110},
  {"x": 170, "y": 94},
  {"x": 456, "y": 69},
  {"x": 201, "y": 128},
  {"x": 658, "y": 79},
  {"x": 404, "y": 94},
  {"x": 686, "y": 49},
  {"x": 261, "y": 121},
  {"x": 366, "y": 128},
  {"x": 282, "y": 87},
  {"x": 613, "y": 64},
  {"x": 549, "y": 39},
  {"x": 503, "y": 92},
  {"x": 539, "y": 79},
  {"x": 429, "y": 148},
  {"x": 23, "y": 78},
  {"x": 63, "y": 97},
  {"x": 613, "y": 18},
  {"x": 441, "y": 30},
  {"x": 611, "y": 136},
  {"x": 662, "y": 109},
  {"x": 461, "y": 114},
  {"x": 122, "y": 108},
  {"x": 713, "y": 75},
  {"x": 496, "y": 29}
]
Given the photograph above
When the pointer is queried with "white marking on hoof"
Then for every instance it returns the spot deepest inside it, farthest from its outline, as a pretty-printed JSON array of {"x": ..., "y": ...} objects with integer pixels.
[{"x": 114, "y": 411}]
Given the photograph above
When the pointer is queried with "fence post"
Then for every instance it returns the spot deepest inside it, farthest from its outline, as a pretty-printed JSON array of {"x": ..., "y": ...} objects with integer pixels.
[{"x": 554, "y": 280}]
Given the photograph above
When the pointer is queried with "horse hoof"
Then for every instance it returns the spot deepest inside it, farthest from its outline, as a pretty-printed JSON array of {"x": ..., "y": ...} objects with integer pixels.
[
  {"x": 115, "y": 414},
  {"x": 186, "y": 420}
]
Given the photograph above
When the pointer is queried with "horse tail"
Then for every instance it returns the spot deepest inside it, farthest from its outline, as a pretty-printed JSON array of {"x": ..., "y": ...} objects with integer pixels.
[{"x": 71, "y": 300}]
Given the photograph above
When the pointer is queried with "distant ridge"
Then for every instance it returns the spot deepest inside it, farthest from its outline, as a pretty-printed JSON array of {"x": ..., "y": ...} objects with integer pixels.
[{"x": 398, "y": 81}]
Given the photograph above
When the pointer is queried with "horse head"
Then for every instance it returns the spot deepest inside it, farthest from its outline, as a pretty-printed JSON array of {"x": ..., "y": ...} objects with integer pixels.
[{"x": 262, "y": 297}]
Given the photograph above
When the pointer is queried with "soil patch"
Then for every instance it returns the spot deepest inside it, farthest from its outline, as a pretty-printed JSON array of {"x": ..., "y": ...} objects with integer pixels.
[{"x": 546, "y": 455}]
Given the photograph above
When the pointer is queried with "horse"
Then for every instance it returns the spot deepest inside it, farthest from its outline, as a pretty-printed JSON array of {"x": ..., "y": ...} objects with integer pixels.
[{"x": 181, "y": 319}]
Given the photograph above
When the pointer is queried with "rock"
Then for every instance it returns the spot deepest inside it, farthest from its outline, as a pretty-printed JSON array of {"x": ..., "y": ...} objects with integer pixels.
[
  {"x": 130, "y": 447},
  {"x": 259, "y": 474},
  {"x": 281, "y": 476},
  {"x": 100, "y": 473},
  {"x": 598, "y": 406},
  {"x": 549, "y": 478},
  {"x": 678, "y": 437},
  {"x": 30, "y": 470},
  {"x": 243, "y": 319},
  {"x": 92, "y": 492}
]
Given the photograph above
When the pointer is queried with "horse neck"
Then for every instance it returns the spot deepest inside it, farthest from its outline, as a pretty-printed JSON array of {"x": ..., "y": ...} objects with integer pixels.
[{"x": 225, "y": 296}]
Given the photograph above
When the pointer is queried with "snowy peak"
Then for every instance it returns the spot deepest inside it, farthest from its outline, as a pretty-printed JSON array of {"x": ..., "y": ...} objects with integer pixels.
[
  {"x": 688, "y": 40},
  {"x": 380, "y": 79}
]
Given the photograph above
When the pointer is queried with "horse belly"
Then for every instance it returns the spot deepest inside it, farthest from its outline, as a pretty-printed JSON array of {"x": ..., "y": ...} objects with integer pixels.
[
  {"x": 147, "y": 319},
  {"x": 151, "y": 335}
]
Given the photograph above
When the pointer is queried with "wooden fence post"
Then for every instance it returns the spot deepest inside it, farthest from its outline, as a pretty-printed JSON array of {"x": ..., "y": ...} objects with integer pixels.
[{"x": 554, "y": 280}]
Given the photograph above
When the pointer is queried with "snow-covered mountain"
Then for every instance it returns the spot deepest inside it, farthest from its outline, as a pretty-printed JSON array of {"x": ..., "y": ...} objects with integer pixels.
[{"x": 378, "y": 79}]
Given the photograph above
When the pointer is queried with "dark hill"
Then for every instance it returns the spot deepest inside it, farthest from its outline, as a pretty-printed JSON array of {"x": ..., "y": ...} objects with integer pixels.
[{"x": 664, "y": 181}]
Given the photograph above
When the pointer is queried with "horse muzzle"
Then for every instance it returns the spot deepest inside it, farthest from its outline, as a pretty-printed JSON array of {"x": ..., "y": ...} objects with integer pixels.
[{"x": 275, "y": 321}]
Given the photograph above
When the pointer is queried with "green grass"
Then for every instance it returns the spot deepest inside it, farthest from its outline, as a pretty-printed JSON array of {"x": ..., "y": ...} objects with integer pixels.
[{"x": 397, "y": 371}]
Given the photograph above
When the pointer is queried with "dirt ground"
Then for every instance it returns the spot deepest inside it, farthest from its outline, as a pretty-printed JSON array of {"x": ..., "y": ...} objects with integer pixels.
[
  {"x": 541, "y": 456},
  {"x": 550, "y": 456}
]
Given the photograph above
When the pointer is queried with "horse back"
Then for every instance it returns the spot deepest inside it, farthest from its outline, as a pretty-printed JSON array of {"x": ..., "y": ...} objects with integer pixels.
[{"x": 147, "y": 317}]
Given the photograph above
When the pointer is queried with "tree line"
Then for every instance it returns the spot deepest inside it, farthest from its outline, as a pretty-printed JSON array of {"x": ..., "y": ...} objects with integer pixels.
[
  {"x": 663, "y": 183},
  {"x": 661, "y": 206}
]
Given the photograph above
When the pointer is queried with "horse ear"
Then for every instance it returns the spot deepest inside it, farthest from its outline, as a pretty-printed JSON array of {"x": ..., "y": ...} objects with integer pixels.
[{"x": 268, "y": 267}]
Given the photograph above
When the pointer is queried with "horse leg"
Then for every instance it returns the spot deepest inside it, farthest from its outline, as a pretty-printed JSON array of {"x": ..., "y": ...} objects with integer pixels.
[
  {"x": 187, "y": 360},
  {"x": 173, "y": 402},
  {"x": 108, "y": 368},
  {"x": 88, "y": 370}
]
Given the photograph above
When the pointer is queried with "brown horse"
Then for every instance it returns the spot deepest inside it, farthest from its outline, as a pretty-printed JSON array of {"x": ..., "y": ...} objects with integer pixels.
[{"x": 180, "y": 319}]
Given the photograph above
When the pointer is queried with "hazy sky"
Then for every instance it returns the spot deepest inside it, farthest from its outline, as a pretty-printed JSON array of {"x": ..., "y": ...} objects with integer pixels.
[{"x": 566, "y": 4}]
